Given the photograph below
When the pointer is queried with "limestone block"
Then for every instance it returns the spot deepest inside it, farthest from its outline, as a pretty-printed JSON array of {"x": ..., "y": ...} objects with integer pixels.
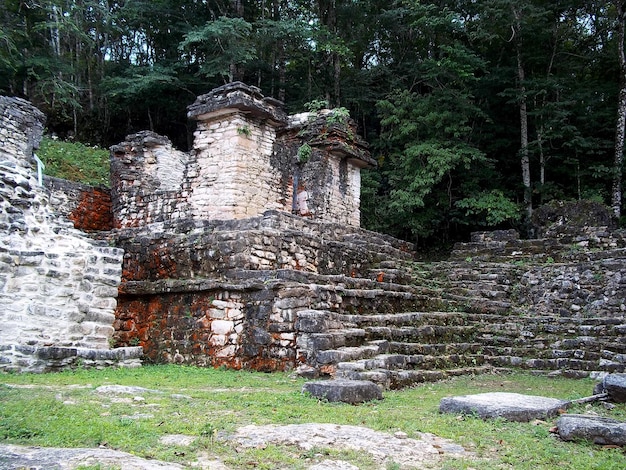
[
  {"x": 347, "y": 391},
  {"x": 312, "y": 321},
  {"x": 511, "y": 406},
  {"x": 227, "y": 351},
  {"x": 615, "y": 385},
  {"x": 599, "y": 430},
  {"x": 220, "y": 304},
  {"x": 222, "y": 327},
  {"x": 234, "y": 313}
]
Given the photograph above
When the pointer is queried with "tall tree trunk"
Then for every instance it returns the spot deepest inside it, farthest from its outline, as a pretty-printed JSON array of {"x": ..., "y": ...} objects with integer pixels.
[
  {"x": 543, "y": 159},
  {"x": 55, "y": 36},
  {"x": 523, "y": 114},
  {"x": 328, "y": 15},
  {"x": 281, "y": 63},
  {"x": 542, "y": 163},
  {"x": 336, "y": 60},
  {"x": 616, "y": 190},
  {"x": 282, "y": 71},
  {"x": 337, "y": 79}
]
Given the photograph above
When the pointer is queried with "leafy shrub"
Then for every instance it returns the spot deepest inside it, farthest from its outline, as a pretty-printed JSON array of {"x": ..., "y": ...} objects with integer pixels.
[
  {"x": 489, "y": 208},
  {"x": 75, "y": 161},
  {"x": 304, "y": 153}
]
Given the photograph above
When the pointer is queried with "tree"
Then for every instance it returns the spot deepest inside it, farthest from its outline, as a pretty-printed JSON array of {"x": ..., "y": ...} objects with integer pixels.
[
  {"x": 427, "y": 128},
  {"x": 220, "y": 48},
  {"x": 620, "y": 127}
]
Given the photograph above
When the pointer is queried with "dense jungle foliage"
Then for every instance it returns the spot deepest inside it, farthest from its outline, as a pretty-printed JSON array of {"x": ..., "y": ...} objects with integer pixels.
[{"x": 477, "y": 111}]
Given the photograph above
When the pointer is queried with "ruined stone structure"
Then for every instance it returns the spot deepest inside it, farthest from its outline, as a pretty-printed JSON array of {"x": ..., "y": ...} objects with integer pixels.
[
  {"x": 247, "y": 252},
  {"x": 248, "y": 157},
  {"x": 58, "y": 288},
  {"x": 219, "y": 242}
]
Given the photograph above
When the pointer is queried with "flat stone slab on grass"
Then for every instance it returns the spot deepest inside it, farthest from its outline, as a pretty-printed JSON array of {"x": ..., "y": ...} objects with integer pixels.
[
  {"x": 177, "y": 440},
  {"x": 13, "y": 457},
  {"x": 599, "y": 430},
  {"x": 383, "y": 448},
  {"x": 511, "y": 406},
  {"x": 124, "y": 390},
  {"x": 347, "y": 391},
  {"x": 425, "y": 449}
]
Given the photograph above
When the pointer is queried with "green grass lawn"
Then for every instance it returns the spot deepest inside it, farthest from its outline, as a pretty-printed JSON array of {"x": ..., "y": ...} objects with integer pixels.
[{"x": 62, "y": 410}]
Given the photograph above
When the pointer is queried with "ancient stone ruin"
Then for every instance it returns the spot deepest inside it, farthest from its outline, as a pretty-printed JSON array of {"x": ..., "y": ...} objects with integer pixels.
[
  {"x": 247, "y": 252},
  {"x": 58, "y": 287},
  {"x": 248, "y": 158}
]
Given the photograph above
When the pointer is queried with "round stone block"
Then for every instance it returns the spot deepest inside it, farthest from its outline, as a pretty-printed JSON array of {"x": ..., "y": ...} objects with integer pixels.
[{"x": 510, "y": 406}]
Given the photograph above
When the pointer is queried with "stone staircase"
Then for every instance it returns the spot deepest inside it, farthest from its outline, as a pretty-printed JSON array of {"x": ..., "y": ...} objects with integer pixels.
[
  {"x": 277, "y": 291},
  {"x": 474, "y": 315},
  {"x": 397, "y": 347},
  {"x": 414, "y": 347}
]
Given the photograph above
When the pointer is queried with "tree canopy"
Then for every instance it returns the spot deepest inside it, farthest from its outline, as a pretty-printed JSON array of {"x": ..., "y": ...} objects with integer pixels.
[{"x": 477, "y": 112}]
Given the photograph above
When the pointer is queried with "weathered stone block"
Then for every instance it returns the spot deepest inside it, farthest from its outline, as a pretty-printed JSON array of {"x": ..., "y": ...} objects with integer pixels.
[
  {"x": 615, "y": 385},
  {"x": 347, "y": 391},
  {"x": 511, "y": 406},
  {"x": 599, "y": 430},
  {"x": 312, "y": 321}
]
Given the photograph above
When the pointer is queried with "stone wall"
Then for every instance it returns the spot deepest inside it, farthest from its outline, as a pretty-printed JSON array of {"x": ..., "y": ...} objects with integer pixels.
[
  {"x": 248, "y": 157},
  {"x": 88, "y": 207},
  {"x": 229, "y": 292},
  {"x": 148, "y": 181},
  {"x": 327, "y": 156},
  {"x": 233, "y": 176},
  {"x": 58, "y": 288}
]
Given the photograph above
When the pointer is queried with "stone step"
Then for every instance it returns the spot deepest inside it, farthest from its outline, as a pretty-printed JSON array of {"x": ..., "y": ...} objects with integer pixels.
[
  {"x": 393, "y": 275},
  {"x": 415, "y": 361},
  {"x": 350, "y": 353},
  {"x": 436, "y": 349},
  {"x": 535, "y": 364},
  {"x": 422, "y": 334},
  {"x": 476, "y": 304},
  {"x": 492, "y": 292},
  {"x": 396, "y": 379},
  {"x": 406, "y": 319},
  {"x": 550, "y": 347},
  {"x": 502, "y": 284},
  {"x": 525, "y": 328},
  {"x": 484, "y": 274},
  {"x": 541, "y": 348},
  {"x": 529, "y": 253},
  {"x": 487, "y": 334},
  {"x": 384, "y": 243},
  {"x": 316, "y": 321},
  {"x": 332, "y": 339}
]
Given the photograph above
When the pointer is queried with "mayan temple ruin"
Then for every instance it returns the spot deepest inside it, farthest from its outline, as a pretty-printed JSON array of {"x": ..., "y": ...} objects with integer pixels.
[{"x": 247, "y": 252}]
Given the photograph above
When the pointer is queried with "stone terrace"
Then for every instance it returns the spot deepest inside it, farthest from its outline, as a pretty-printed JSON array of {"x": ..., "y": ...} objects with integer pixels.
[{"x": 280, "y": 291}]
